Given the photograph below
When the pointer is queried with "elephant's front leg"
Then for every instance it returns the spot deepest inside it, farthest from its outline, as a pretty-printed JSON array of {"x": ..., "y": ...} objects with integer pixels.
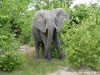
[
  {"x": 44, "y": 46},
  {"x": 57, "y": 44},
  {"x": 37, "y": 49},
  {"x": 43, "y": 50}
]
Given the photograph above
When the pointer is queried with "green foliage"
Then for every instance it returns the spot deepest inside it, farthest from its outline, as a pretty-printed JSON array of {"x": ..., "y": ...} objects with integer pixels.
[
  {"x": 25, "y": 24},
  {"x": 80, "y": 13},
  {"x": 81, "y": 43},
  {"x": 10, "y": 60},
  {"x": 15, "y": 19},
  {"x": 46, "y": 4},
  {"x": 7, "y": 40},
  {"x": 11, "y": 21}
]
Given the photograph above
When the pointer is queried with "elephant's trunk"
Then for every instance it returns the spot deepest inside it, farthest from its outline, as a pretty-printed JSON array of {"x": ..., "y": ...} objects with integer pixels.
[{"x": 49, "y": 39}]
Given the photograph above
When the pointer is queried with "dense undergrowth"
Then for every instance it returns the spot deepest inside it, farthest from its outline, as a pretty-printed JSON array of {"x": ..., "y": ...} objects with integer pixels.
[
  {"x": 82, "y": 46},
  {"x": 80, "y": 38}
]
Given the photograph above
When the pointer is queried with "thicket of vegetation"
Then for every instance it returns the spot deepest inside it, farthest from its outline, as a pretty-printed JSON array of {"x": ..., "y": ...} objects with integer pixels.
[
  {"x": 80, "y": 38},
  {"x": 82, "y": 44},
  {"x": 15, "y": 21}
]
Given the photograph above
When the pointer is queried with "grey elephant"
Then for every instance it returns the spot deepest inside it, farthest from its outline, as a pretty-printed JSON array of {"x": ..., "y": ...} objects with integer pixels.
[{"x": 46, "y": 24}]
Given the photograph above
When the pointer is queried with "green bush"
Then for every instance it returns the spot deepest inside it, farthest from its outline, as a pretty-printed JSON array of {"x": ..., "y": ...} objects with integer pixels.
[
  {"x": 15, "y": 20},
  {"x": 81, "y": 12},
  {"x": 9, "y": 57},
  {"x": 25, "y": 24},
  {"x": 8, "y": 42},
  {"x": 10, "y": 60},
  {"x": 82, "y": 43}
]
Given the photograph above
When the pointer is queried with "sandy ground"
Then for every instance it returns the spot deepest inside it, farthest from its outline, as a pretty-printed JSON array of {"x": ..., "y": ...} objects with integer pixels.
[
  {"x": 70, "y": 71},
  {"x": 29, "y": 51}
]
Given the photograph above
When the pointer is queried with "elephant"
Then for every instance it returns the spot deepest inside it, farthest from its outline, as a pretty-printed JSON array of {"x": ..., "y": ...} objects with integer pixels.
[{"x": 45, "y": 27}]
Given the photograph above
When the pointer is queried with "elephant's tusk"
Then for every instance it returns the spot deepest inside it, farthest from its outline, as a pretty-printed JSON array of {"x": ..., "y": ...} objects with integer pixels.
[{"x": 56, "y": 27}]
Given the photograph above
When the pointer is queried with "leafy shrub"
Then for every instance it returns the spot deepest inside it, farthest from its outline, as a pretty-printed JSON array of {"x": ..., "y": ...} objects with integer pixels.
[
  {"x": 15, "y": 20},
  {"x": 8, "y": 42},
  {"x": 79, "y": 13},
  {"x": 25, "y": 24},
  {"x": 10, "y": 60},
  {"x": 82, "y": 43}
]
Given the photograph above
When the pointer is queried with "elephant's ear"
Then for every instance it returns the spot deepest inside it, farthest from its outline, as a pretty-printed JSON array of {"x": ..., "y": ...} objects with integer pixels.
[
  {"x": 38, "y": 21},
  {"x": 60, "y": 15}
]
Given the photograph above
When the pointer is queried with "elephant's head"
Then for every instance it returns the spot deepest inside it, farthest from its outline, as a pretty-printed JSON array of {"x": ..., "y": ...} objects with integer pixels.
[{"x": 45, "y": 19}]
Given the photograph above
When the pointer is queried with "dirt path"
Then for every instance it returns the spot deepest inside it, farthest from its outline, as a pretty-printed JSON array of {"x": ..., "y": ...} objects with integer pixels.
[
  {"x": 70, "y": 71},
  {"x": 29, "y": 51}
]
